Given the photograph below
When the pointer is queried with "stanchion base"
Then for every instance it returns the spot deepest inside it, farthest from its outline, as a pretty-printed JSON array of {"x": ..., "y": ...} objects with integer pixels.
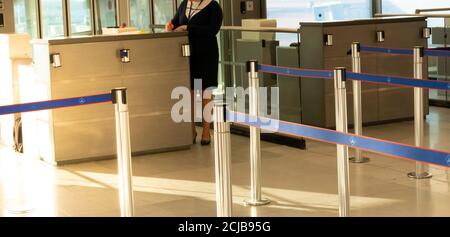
[
  {"x": 20, "y": 211},
  {"x": 258, "y": 203},
  {"x": 425, "y": 175},
  {"x": 359, "y": 161}
]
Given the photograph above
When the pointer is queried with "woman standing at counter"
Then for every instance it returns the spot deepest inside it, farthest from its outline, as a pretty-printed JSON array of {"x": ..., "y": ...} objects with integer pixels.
[{"x": 202, "y": 19}]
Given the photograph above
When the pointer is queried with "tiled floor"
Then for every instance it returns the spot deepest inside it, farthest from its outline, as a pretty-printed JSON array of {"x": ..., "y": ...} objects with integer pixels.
[{"x": 300, "y": 183}]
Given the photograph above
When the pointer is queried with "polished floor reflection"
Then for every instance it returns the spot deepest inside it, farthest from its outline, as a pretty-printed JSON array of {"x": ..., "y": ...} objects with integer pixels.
[{"x": 300, "y": 183}]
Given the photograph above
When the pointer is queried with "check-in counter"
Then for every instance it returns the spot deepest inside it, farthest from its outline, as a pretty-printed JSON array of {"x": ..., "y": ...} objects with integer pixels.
[
  {"x": 381, "y": 103},
  {"x": 6, "y": 16},
  {"x": 92, "y": 65}
]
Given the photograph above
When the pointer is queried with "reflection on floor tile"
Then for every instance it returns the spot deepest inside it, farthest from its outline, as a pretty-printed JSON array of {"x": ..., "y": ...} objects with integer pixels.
[{"x": 299, "y": 183}]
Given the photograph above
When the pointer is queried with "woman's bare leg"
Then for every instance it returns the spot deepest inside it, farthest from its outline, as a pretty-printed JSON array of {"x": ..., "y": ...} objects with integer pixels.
[
  {"x": 193, "y": 97},
  {"x": 206, "y": 136}
]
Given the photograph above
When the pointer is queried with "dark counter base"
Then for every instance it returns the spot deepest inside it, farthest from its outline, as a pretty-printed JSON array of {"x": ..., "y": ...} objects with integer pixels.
[
  {"x": 296, "y": 142},
  {"x": 440, "y": 103},
  {"x": 273, "y": 138},
  {"x": 352, "y": 126}
]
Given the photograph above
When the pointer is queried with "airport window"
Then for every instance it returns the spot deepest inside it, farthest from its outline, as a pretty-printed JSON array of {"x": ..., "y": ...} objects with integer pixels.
[
  {"x": 80, "y": 17},
  {"x": 52, "y": 18},
  {"x": 25, "y": 17},
  {"x": 163, "y": 11},
  {"x": 290, "y": 12},
  {"x": 408, "y": 6},
  {"x": 140, "y": 14},
  {"x": 106, "y": 14}
]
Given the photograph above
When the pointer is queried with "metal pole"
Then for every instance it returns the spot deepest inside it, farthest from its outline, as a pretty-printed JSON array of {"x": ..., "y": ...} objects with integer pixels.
[
  {"x": 222, "y": 153},
  {"x": 357, "y": 102},
  {"x": 421, "y": 169},
  {"x": 20, "y": 205},
  {"x": 342, "y": 151},
  {"x": 255, "y": 138},
  {"x": 123, "y": 152}
]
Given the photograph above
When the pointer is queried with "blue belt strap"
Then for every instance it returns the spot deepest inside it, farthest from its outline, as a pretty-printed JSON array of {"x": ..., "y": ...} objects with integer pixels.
[
  {"x": 296, "y": 72},
  {"x": 402, "y": 81},
  {"x": 54, "y": 104},
  {"x": 365, "y": 143},
  {"x": 387, "y": 50},
  {"x": 437, "y": 53}
]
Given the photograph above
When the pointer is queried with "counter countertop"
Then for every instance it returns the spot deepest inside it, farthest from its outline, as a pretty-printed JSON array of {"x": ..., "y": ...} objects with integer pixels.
[
  {"x": 376, "y": 20},
  {"x": 106, "y": 38}
]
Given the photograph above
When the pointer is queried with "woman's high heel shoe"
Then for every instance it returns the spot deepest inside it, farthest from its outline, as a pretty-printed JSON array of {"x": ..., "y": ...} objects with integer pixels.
[{"x": 206, "y": 142}]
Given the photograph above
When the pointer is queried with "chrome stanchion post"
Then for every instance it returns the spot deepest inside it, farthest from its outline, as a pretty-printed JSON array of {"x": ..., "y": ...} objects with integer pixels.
[
  {"x": 357, "y": 102},
  {"x": 123, "y": 152},
  {"x": 421, "y": 171},
  {"x": 222, "y": 153},
  {"x": 255, "y": 138},
  {"x": 20, "y": 203},
  {"x": 342, "y": 151}
]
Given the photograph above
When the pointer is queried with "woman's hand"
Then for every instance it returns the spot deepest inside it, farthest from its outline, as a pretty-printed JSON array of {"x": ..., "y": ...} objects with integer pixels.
[
  {"x": 169, "y": 26},
  {"x": 181, "y": 28}
]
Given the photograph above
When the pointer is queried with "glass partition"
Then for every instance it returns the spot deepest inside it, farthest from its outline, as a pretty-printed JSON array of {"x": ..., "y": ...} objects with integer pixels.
[
  {"x": 439, "y": 67},
  {"x": 80, "y": 17},
  {"x": 274, "y": 47},
  {"x": 25, "y": 17},
  {"x": 52, "y": 18},
  {"x": 140, "y": 14}
]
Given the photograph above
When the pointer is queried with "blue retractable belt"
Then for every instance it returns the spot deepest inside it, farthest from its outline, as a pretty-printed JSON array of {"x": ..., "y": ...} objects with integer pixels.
[
  {"x": 428, "y": 52},
  {"x": 401, "y": 81},
  {"x": 54, "y": 104},
  {"x": 296, "y": 72},
  {"x": 365, "y": 143},
  {"x": 391, "y": 80},
  {"x": 437, "y": 53},
  {"x": 387, "y": 50}
]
